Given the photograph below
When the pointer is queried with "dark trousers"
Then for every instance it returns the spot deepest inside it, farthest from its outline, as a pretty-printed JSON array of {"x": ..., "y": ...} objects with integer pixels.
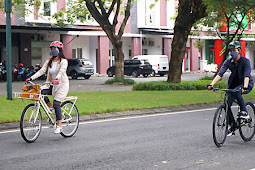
[
  {"x": 56, "y": 104},
  {"x": 240, "y": 101}
]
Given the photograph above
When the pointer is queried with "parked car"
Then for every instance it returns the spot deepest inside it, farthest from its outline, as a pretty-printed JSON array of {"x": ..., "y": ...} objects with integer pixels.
[
  {"x": 159, "y": 63},
  {"x": 133, "y": 68},
  {"x": 79, "y": 67}
]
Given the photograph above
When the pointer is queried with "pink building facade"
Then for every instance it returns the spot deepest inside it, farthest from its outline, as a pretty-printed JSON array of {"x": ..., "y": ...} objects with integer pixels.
[{"x": 149, "y": 31}]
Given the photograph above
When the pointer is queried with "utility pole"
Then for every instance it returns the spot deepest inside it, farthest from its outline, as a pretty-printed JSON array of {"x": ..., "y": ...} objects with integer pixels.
[{"x": 8, "y": 10}]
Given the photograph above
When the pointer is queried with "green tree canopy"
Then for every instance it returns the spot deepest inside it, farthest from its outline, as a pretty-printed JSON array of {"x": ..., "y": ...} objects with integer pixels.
[
  {"x": 234, "y": 15},
  {"x": 105, "y": 12}
]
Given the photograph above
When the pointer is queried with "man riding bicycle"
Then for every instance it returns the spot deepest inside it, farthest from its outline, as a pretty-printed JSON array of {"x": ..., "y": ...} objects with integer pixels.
[{"x": 240, "y": 78}]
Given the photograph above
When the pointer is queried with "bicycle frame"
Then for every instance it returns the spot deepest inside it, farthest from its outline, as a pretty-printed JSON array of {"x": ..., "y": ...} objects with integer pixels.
[
  {"x": 227, "y": 98},
  {"x": 74, "y": 98},
  {"x": 31, "y": 121},
  {"x": 41, "y": 103}
]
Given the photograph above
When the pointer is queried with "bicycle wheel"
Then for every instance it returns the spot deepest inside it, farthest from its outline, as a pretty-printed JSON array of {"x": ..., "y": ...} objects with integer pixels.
[
  {"x": 247, "y": 129},
  {"x": 70, "y": 119},
  {"x": 30, "y": 123},
  {"x": 220, "y": 126}
]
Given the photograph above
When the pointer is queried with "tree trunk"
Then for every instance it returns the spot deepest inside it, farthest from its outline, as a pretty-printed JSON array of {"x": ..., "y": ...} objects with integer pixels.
[
  {"x": 189, "y": 12},
  {"x": 178, "y": 50},
  {"x": 119, "y": 59},
  {"x": 118, "y": 53}
]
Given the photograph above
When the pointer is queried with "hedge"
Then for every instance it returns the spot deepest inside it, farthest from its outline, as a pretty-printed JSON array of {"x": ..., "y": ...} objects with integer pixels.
[
  {"x": 122, "y": 81},
  {"x": 184, "y": 85}
]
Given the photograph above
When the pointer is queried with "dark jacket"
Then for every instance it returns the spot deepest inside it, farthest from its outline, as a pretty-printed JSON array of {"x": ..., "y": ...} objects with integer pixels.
[{"x": 244, "y": 70}]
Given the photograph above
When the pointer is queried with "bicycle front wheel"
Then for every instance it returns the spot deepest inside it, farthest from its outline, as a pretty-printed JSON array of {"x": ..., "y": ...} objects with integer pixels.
[
  {"x": 220, "y": 126},
  {"x": 70, "y": 119},
  {"x": 30, "y": 123},
  {"x": 247, "y": 129}
]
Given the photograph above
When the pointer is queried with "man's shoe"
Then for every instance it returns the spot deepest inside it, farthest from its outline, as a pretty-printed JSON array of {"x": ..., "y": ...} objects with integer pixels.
[
  {"x": 243, "y": 115},
  {"x": 58, "y": 130},
  {"x": 230, "y": 132},
  {"x": 232, "y": 129}
]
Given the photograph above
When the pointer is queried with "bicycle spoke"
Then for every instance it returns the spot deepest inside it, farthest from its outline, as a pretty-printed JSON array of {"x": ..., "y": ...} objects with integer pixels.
[
  {"x": 247, "y": 127},
  {"x": 220, "y": 126},
  {"x": 30, "y": 124},
  {"x": 70, "y": 119}
]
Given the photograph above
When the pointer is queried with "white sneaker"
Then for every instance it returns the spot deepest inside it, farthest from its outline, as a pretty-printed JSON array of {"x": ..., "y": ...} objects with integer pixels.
[
  {"x": 58, "y": 130},
  {"x": 244, "y": 115}
]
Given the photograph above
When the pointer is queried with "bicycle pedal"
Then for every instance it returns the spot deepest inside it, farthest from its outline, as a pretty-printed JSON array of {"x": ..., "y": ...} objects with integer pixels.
[
  {"x": 50, "y": 124},
  {"x": 231, "y": 134}
]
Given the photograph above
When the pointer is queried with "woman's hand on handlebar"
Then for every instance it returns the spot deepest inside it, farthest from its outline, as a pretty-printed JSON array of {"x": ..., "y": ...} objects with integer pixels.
[
  {"x": 28, "y": 79},
  {"x": 55, "y": 82}
]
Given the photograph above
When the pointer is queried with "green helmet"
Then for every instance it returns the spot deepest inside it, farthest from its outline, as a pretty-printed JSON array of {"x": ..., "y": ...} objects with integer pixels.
[{"x": 235, "y": 44}]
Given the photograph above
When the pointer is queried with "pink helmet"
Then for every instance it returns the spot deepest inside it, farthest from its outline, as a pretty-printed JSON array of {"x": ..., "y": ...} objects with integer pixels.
[
  {"x": 57, "y": 44},
  {"x": 20, "y": 64}
]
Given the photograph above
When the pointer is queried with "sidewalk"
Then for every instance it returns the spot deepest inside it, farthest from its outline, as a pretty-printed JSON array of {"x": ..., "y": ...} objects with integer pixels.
[{"x": 15, "y": 125}]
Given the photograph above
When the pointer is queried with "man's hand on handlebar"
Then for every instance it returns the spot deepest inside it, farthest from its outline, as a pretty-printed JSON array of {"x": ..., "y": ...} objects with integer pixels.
[
  {"x": 244, "y": 89},
  {"x": 209, "y": 87}
]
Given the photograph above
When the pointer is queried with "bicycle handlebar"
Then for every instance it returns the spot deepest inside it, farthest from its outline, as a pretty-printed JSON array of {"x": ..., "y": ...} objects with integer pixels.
[
  {"x": 30, "y": 82},
  {"x": 228, "y": 90}
]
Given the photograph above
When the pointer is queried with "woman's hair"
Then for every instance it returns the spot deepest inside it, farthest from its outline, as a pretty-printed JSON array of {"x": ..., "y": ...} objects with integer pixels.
[{"x": 61, "y": 55}]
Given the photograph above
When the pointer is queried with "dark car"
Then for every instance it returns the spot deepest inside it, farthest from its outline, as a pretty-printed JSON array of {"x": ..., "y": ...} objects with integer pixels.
[
  {"x": 133, "y": 68},
  {"x": 79, "y": 67}
]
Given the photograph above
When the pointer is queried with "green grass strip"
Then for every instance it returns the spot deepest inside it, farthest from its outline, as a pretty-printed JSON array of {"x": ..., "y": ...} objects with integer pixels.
[{"x": 113, "y": 101}]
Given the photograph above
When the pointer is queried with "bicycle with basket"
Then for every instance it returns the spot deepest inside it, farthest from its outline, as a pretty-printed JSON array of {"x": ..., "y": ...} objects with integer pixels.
[{"x": 31, "y": 120}]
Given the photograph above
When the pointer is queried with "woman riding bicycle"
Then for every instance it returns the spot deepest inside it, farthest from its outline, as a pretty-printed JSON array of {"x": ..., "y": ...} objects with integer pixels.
[
  {"x": 240, "y": 78},
  {"x": 56, "y": 67}
]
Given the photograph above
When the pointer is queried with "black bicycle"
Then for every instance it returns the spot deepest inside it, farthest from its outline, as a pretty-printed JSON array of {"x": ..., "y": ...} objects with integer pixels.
[{"x": 221, "y": 120}]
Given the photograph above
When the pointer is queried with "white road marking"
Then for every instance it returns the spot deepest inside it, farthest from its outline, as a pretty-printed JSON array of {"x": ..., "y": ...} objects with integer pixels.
[
  {"x": 143, "y": 116},
  {"x": 128, "y": 117}
]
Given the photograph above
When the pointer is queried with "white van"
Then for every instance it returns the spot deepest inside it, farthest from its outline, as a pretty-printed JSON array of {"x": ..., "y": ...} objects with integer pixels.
[{"x": 159, "y": 63}]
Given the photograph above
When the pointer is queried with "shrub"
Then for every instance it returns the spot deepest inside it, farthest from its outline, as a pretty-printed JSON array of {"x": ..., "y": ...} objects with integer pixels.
[
  {"x": 207, "y": 78},
  {"x": 122, "y": 81},
  {"x": 184, "y": 85}
]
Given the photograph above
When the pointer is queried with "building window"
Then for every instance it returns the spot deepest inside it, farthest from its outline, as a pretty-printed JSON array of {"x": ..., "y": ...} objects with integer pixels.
[
  {"x": 152, "y": 14},
  {"x": 211, "y": 55},
  {"x": 79, "y": 52},
  {"x": 144, "y": 52},
  {"x": 46, "y": 8},
  {"x": 130, "y": 54},
  {"x": 74, "y": 53}
]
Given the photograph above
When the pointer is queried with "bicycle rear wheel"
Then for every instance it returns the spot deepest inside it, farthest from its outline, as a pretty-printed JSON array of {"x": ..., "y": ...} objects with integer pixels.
[
  {"x": 220, "y": 126},
  {"x": 247, "y": 129},
  {"x": 30, "y": 123},
  {"x": 70, "y": 120}
]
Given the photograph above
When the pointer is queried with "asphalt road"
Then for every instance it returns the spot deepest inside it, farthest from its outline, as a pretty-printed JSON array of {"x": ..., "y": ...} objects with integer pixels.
[{"x": 164, "y": 141}]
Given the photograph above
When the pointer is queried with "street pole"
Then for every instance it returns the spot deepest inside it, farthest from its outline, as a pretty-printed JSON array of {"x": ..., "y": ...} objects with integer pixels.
[{"x": 8, "y": 10}]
